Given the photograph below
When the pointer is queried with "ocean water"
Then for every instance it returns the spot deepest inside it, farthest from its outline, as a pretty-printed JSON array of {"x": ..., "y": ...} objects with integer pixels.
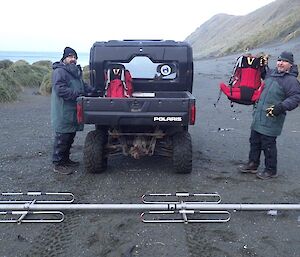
[{"x": 31, "y": 57}]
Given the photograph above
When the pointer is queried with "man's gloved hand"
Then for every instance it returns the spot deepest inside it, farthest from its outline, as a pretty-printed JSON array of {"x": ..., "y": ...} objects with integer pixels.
[
  {"x": 274, "y": 110},
  {"x": 269, "y": 111}
]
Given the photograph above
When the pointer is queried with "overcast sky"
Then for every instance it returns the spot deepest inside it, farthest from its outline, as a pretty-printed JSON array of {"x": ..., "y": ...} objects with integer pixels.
[{"x": 44, "y": 25}]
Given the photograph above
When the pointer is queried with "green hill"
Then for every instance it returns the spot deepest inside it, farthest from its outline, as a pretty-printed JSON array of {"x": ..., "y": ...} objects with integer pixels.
[{"x": 224, "y": 34}]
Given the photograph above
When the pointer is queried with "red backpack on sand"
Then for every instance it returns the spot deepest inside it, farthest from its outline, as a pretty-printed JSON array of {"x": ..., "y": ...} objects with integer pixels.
[
  {"x": 245, "y": 85},
  {"x": 118, "y": 81}
]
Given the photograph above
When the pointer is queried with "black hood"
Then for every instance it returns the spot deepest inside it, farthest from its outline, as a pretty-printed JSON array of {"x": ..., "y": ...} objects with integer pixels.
[
  {"x": 294, "y": 70},
  {"x": 73, "y": 69}
]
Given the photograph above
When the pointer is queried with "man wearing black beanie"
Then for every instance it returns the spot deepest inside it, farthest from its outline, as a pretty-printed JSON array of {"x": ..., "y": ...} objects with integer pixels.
[
  {"x": 68, "y": 51},
  {"x": 67, "y": 85},
  {"x": 281, "y": 93}
]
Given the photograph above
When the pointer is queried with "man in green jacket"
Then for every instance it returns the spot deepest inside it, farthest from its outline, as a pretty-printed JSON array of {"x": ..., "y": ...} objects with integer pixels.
[
  {"x": 280, "y": 94},
  {"x": 67, "y": 85}
]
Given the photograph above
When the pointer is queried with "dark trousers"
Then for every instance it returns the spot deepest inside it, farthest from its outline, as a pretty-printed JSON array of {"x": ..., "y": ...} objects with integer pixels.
[
  {"x": 62, "y": 146},
  {"x": 267, "y": 144}
]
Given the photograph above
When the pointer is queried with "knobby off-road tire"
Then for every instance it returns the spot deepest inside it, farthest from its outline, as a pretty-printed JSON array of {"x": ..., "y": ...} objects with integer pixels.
[
  {"x": 182, "y": 152},
  {"x": 94, "y": 158}
]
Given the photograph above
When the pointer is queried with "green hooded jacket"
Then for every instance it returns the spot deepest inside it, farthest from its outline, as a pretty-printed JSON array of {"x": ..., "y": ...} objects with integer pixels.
[
  {"x": 67, "y": 85},
  {"x": 280, "y": 89}
]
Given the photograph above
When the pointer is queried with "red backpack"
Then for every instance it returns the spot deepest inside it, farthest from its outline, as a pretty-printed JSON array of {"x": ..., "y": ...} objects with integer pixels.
[
  {"x": 118, "y": 81},
  {"x": 245, "y": 85}
]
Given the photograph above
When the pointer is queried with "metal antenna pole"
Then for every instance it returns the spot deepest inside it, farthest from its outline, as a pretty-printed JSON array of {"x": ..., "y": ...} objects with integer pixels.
[{"x": 178, "y": 208}]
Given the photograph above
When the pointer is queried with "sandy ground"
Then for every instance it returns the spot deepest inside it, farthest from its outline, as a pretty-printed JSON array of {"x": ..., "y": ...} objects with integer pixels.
[{"x": 220, "y": 144}]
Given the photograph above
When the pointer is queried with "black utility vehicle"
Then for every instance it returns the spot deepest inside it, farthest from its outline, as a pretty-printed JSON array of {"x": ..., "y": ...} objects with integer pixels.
[{"x": 155, "y": 120}]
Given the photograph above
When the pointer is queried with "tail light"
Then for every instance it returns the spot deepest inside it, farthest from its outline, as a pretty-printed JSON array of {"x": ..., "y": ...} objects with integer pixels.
[
  {"x": 192, "y": 113},
  {"x": 79, "y": 113}
]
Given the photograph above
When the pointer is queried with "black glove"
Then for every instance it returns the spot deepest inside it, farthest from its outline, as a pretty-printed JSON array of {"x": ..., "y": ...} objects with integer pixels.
[
  {"x": 275, "y": 110},
  {"x": 278, "y": 109}
]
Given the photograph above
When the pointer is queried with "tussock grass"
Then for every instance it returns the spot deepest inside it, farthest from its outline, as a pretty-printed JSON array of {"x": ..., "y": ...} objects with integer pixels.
[
  {"x": 46, "y": 85},
  {"x": 14, "y": 76},
  {"x": 9, "y": 87},
  {"x": 27, "y": 75},
  {"x": 43, "y": 63},
  {"x": 4, "y": 64},
  {"x": 86, "y": 74}
]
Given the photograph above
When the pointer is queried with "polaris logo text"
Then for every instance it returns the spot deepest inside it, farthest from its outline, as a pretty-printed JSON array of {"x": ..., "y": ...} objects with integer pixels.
[{"x": 164, "y": 119}]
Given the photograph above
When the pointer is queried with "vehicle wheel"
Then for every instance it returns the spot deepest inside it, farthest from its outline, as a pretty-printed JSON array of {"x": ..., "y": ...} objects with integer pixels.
[
  {"x": 94, "y": 155},
  {"x": 182, "y": 152}
]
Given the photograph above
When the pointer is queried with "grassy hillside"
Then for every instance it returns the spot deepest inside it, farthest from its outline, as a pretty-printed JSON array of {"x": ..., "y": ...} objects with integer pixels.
[{"x": 224, "y": 34}]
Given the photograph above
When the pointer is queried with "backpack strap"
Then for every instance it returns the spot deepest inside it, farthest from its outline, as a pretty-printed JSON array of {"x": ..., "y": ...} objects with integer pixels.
[
  {"x": 232, "y": 79},
  {"x": 107, "y": 79},
  {"x": 219, "y": 96}
]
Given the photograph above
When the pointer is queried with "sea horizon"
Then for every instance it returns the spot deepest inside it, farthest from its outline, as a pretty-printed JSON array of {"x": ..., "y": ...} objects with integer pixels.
[{"x": 34, "y": 56}]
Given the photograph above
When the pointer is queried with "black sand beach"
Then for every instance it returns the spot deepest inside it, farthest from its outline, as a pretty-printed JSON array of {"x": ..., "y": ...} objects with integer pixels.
[{"x": 220, "y": 144}]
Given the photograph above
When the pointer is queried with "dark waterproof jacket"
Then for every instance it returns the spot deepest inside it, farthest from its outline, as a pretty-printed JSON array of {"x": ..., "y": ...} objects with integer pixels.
[
  {"x": 67, "y": 85},
  {"x": 280, "y": 88}
]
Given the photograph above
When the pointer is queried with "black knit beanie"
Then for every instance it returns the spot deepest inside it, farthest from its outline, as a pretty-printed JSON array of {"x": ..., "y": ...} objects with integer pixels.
[
  {"x": 286, "y": 56},
  {"x": 69, "y": 51}
]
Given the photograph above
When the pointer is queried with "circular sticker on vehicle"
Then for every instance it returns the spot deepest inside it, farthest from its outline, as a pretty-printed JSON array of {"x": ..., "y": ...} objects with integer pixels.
[{"x": 165, "y": 70}]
